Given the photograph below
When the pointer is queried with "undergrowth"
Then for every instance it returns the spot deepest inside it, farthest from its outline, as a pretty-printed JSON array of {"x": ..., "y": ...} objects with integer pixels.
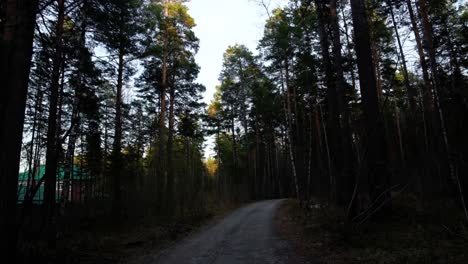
[{"x": 437, "y": 235}]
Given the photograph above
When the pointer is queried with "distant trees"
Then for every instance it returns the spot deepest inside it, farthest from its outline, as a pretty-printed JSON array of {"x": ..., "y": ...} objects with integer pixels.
[
  {"x": 353, "y": 142},
  {"x": 170, "y": 73}
]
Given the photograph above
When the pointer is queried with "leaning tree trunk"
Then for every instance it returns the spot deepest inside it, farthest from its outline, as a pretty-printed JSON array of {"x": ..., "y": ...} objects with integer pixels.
[
  {"x": 15, "y": 53},
  {"x": 428, "y": 102},
  {"x": 411, "y": 92}
]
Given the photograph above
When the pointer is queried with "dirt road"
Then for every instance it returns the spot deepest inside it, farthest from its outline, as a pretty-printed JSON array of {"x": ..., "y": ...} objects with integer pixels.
[{"x": 245, "y": 236}]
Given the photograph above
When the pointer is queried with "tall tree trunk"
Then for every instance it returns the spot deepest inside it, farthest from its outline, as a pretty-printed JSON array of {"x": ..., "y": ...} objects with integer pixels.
[
  {"x": 15, "y": 52},
  {"x": 170, "y": 203},
  {"x": 427, "y": 28},
  {"x": 233, "y": 177},
  {"x": 69, "y": 155},
  {"x": 375, "y": 182},
  {"x": 428, "y": 101},
  {"x": 332, "y": 180},
  {"x": 162, "y": 114},
  {"x": 116, "y": 165},
  {"x": 411, "y": 92},
  {"x": 413, "y": 147},
  {"x": 75, "y": 120},
  {"x": 345, "y": 183},
  {"x": 334, "y": 128},
  {"x": 50, "y": 176},
  {"x": 289, "y": 136},
  {"x": 34, "y": 144}
]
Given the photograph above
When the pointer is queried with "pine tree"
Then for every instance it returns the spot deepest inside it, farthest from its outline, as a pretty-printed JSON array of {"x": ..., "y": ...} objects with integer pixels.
[{"x": 117, "y": 26}]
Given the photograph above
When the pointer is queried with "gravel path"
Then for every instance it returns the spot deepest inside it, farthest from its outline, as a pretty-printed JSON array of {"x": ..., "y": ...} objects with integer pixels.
[{"x": 245, "y": 236}]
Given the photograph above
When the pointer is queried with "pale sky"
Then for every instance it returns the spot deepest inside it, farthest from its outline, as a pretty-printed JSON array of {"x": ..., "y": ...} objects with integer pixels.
[{"x": 221, "y": 23}]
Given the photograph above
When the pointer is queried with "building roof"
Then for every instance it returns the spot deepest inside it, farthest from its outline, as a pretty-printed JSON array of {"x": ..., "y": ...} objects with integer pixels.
[{"x": 77, "y": 174}]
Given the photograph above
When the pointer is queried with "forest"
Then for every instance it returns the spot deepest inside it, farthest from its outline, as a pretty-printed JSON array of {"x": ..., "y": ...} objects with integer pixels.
[{"x": 358, "y": 106}]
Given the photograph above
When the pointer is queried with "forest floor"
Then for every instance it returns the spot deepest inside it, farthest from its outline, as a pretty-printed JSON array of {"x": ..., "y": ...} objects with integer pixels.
[
  {"x": 407, "y": 237},
  {"x": 116, "y": 243}
]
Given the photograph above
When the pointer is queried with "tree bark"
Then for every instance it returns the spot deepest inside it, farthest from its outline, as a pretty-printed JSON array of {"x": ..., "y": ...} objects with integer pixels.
[
  {"x": 289, "y": 136},
  {"x": 50, "y": 176},
  {"x": 162, "y": 114},
  {"x": 345, "y": 182},
  {"x": 334, "y": 129},
  {"x": 376, "y": 179},
  {"x": 16, "y": 52},
  {"x": 117, "y": 144},
  {"x": 75, "y": 122},
  {"x": 170, "y": 203},
  {"x": 427, "y": 28}
]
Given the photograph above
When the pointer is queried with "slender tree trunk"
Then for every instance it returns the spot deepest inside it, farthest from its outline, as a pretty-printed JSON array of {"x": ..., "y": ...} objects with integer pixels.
[
  {"x": 162, "y": 115},
  {"x": 344, "y": 185},
  {"x": 409, "y": 88},
  {"x": 234, "y": 157},
  {"x": 413, "y": 148},
  {"x": 117, "y": 144},
  {"x": 334, "y": 129},
  {"x": 52, "y": 140},
  {"x": 104, "y": 167},
  {"x": 75, "y": 120},
  {"x": 428, "y": 101},
  {"x": 256, "y": 159},
  {"x": 218, "y": 162},
  {"x": 69, "y": 155},
  {"x": 34, "y": 138},
  {"x": 170, "y": 204},
  {"x": 427, "y": 28},
  {"x": 332, "y": 180},
  {"x": 289, "y": 136},
  {"x": 310, "y": 157}
]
